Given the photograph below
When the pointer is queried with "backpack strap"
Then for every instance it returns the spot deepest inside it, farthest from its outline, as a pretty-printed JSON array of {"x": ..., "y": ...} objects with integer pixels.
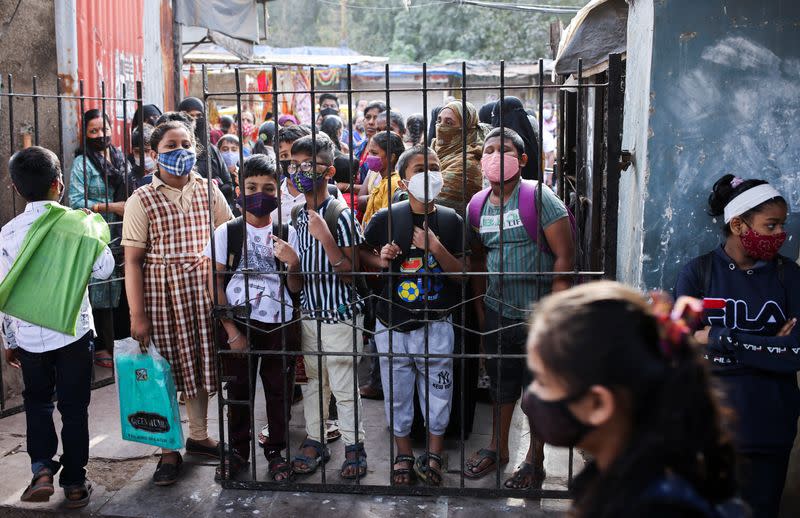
[
  {"x": 402, "y": 219},
  {"x": 706, "y": 267},
  {"x": 527, "y": 210},
  {"x": 475, "y": 208},
  {"x": 296, "y": 212},
  {"x": 333, "y": 190},
  {"x": 235, "y": 233}
]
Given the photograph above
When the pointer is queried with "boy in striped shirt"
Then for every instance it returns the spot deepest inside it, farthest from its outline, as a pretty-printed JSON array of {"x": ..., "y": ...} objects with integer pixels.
[{"x": 328, "y": 298}]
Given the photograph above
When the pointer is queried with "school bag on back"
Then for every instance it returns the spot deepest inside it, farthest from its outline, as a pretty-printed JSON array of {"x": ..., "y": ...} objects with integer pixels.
[{"x": 528, "y": 200}]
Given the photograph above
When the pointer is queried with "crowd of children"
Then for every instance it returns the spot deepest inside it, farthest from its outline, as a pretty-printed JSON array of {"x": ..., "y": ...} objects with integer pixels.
[{"x": 605, "y": 371}]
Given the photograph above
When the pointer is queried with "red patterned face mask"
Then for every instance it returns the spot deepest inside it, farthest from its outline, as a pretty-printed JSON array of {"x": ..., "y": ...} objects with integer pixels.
[{"x": 762, "y": 247}]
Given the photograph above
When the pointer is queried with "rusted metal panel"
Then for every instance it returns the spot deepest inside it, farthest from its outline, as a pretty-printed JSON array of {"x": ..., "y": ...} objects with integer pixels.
[
  {"x": 154, "y": 70},
  {"x": 167, "y": 57},
  {"x": 110, "y": 48}
]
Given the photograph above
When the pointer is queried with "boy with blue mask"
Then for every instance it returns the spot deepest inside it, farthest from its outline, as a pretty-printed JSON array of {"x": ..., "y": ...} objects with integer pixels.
[
  {"x": 424, "y": 238},
  {"x": 164, "y": 232},
  {"x": 51, "y": 360}
]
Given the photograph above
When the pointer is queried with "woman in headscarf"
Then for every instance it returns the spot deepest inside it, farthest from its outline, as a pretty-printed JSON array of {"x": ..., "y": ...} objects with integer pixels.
[
  {"x": 97, "y": 179},
  {"x": 150, "y": 113},
  {"x": 515, "y": 118},
  {"x": 450, "y": 147}
]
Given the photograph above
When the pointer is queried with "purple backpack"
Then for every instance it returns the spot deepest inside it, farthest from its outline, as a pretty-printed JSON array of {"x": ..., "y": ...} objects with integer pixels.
[{"x": 527, "y": 211}]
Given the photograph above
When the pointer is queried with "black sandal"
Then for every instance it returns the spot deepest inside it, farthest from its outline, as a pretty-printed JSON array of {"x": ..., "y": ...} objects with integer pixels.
[
  {"x": 482, "y": 454},
  {"x": 427, "y": 473},
  {"x": 232, "y": 466},
  {"x": 359, "y": 462},
  {"x": 280, "y": 466},
  {"x": 39, "y": 491},
  {"x": 534, "y": 475},
  {"x": 402, "y": 472},
  {"x": 312, "y": 463},
  {"x": 167, "y": 474},
  {"x": 78, "y": 496}
]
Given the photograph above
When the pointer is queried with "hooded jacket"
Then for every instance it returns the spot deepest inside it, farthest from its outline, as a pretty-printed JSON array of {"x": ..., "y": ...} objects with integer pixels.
[{"x": 758, "y": 370}]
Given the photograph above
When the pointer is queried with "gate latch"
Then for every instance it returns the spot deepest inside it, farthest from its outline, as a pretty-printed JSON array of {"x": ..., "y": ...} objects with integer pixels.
[{"x": 625, "y": 159}]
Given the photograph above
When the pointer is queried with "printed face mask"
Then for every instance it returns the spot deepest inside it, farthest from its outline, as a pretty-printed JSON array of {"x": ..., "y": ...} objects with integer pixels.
[
  {"x": 178, "y": 162},
  {"x": 98, "y": 143},
  {"x": 230, "y": 157},
  {"x": 416, "y": 186},
  {"x": 306, "y": 182},
  {"x": 552, "y": 421},
  {"x": 258, "y": 204},
  {"x": 374, "y": 163},
  {"x": 490, "y": 164},
  {"x": 762, "y": 247}
]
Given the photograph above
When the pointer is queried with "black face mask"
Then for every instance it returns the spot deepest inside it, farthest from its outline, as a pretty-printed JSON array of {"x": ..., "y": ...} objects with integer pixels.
[
  {"x": 98, "y": 144},
  {"x": 553, "y": 422},
  {"x": 200, "y": 130},
  {"x": 285, "y": 167}
]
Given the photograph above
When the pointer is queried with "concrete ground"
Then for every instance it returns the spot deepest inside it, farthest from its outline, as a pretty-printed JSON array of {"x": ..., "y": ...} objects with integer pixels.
[{"x": 121, "y": 474}]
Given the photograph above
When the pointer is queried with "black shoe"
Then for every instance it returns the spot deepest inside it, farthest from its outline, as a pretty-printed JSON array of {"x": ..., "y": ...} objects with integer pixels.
[
  {"x": 368, "y": 392},
  {"x": 196, "y": 448},
  {"x": 167, "y": 474}
]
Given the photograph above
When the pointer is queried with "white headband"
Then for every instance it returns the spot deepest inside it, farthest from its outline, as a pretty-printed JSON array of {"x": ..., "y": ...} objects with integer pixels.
[{"x": 749, "y": 199}]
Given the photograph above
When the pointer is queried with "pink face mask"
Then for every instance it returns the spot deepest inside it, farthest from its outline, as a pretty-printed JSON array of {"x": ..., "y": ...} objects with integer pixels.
[{"x": 490, "y": 164}]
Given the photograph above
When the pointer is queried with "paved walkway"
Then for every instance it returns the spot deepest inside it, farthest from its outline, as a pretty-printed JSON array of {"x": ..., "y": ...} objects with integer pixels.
[{"x": 121, "y": 474}]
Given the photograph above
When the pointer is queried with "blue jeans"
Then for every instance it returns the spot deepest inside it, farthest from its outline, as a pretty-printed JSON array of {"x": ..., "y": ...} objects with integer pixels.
[{"x": 67, "y": 374}]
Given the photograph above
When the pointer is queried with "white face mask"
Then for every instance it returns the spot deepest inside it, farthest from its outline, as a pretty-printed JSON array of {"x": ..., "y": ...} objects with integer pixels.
[
  {"x": 149, "y": 163},
  {"x": 547, "y": 113},
  {"x": 416, "y": 186}
]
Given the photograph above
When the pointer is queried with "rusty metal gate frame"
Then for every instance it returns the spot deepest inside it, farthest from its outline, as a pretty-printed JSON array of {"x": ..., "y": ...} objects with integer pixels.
[
  {"x": 8, "y": 94},
  {"x": 569, "y": 161}
]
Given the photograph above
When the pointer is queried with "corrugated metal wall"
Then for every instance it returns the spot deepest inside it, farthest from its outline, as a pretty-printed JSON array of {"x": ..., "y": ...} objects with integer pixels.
[
  {"x": 110, "y": 49},
  {"x": 118, "y": 42}
]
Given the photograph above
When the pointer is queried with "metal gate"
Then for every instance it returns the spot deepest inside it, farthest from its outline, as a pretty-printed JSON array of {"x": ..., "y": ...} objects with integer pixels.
[
  {"x": 37, "y": 118},
  {"x": 586, "y": 175}
]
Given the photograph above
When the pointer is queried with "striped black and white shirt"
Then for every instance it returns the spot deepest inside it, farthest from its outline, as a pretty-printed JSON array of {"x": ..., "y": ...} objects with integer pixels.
[{"x": 324, "y": 295}]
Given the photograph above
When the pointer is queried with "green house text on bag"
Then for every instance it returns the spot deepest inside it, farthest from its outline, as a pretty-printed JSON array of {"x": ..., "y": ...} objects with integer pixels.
[
  {"x": 148, "y": 406},
  {"x": 48, "y": 279}
]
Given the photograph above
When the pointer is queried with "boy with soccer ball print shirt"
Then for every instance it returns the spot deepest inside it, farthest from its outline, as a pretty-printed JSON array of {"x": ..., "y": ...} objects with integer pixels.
[{"x": 416, "y": 303}]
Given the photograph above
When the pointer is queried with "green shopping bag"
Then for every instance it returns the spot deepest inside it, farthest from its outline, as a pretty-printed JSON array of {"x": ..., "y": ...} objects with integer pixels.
[
  {"x": 53, "y": 267},
  {"x": 148, "y": 406}
]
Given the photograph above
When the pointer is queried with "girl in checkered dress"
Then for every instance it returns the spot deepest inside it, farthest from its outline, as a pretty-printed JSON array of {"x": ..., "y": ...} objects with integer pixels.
[{"x": 165, "y": 229}]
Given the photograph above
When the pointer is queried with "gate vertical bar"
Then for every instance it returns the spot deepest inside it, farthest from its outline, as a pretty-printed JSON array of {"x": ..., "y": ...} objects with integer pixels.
[
  {"x": 614, "y": 109},
  {"x": 11, "y": 134},
  {"x": 35, "y": 111}
]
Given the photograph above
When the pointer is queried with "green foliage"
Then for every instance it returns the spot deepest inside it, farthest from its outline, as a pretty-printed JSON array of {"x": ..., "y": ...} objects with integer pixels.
[{"x": 432, "y": 33}]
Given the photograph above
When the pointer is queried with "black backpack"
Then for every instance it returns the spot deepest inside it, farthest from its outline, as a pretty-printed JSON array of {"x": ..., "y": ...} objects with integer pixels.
[
  {"x": 332, "y": 213},
  {"x": 402, "y": 231}
]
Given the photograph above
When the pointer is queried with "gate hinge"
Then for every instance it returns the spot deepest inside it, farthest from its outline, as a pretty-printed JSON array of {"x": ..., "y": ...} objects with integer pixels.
[{"x": 625, "y": 159}]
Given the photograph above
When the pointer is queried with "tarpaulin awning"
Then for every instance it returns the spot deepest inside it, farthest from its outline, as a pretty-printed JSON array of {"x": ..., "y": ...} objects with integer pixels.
[{"x": 600, "y": 28}]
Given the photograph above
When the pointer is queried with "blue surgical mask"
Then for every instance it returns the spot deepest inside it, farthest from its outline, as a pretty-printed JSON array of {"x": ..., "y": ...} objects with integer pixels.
[
  {"x": 178, "y": 162},
  {"x": 230, "y": 157}
]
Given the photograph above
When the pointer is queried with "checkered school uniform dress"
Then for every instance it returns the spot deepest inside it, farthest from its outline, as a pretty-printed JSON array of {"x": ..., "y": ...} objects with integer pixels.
[{"x": 175, "y": 279}]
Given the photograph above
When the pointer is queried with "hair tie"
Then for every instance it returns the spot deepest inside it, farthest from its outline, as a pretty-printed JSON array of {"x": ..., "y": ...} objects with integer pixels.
[
  {"x": 676, "y": 322},
  {"x": 736, "y": 182}
]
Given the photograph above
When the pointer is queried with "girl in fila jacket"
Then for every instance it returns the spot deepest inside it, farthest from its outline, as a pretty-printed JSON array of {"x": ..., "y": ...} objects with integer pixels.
[{"x": 752, "y": 300}]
